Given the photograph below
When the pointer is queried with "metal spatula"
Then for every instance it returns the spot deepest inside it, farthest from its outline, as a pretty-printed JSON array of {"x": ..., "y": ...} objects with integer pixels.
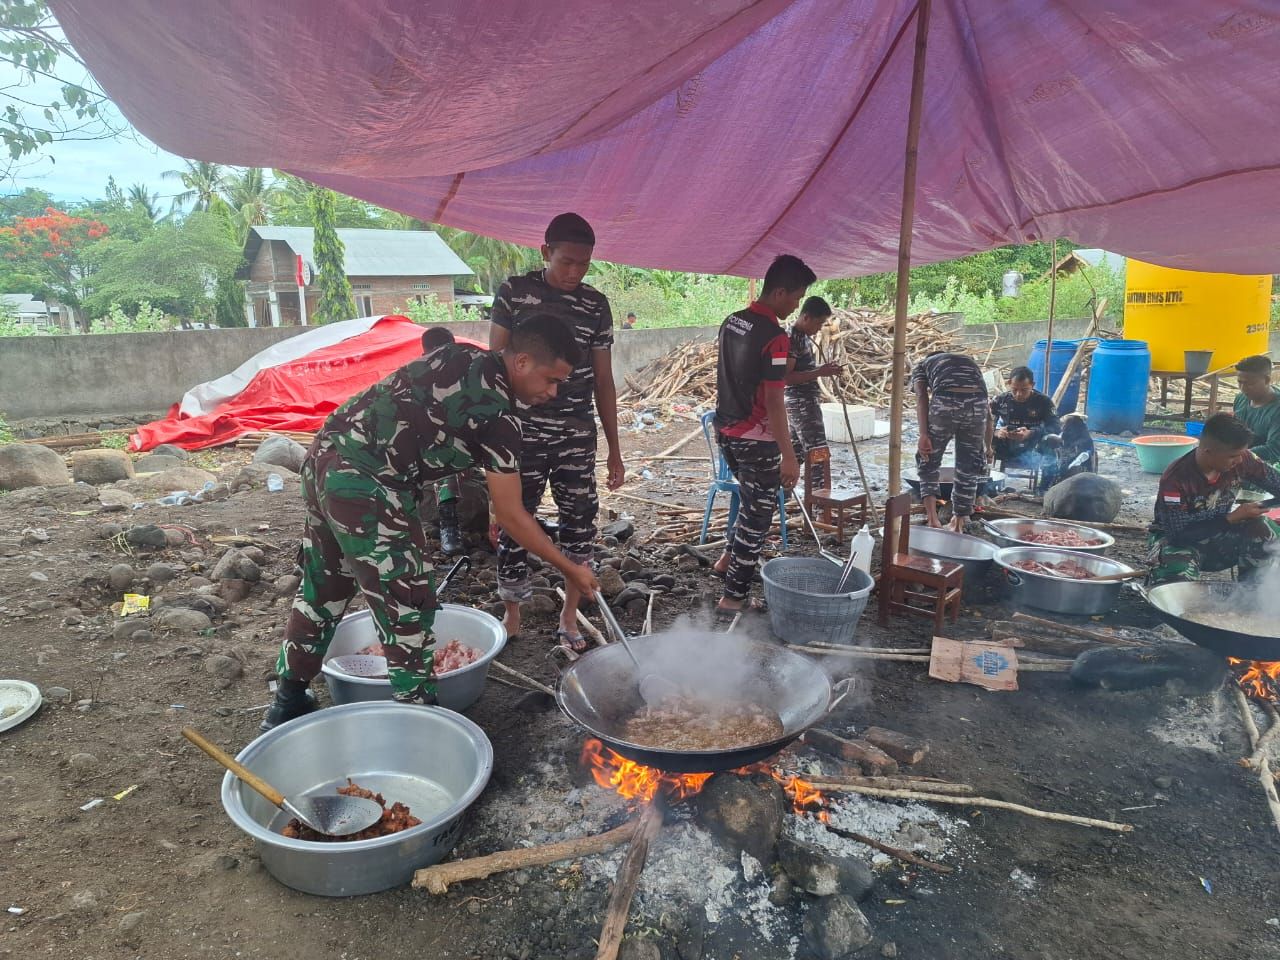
[{"x": 336, "y": 815}]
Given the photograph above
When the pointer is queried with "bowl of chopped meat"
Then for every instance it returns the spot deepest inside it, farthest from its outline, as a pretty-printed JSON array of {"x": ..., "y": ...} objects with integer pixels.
[
  {"x": 1061, "y": 581},
  {"x": 423, "y": 765},
  {"x": 1056, "y": 534},
  {"x": 466, "y": 641}
]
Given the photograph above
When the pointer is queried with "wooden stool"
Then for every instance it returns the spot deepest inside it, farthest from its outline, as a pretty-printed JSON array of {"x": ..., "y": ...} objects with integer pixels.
[
  {"x": 827, "y": 504},
  {"x": 904, "y": 578}
]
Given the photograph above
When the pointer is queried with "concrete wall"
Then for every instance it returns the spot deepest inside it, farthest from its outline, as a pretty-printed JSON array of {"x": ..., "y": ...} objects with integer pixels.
[{"x": 126, "y": 372}]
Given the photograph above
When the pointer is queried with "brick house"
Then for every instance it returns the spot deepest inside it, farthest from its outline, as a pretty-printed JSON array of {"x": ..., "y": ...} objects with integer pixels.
[{"x": 386, "y": 269}]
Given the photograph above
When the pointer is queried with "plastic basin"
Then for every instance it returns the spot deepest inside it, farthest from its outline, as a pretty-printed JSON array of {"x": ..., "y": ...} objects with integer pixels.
[{"x": 1155, "y": 453}]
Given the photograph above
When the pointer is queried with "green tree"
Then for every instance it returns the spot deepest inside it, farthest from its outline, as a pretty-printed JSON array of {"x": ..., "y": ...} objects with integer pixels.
[
  {"x": 32, "y": 42},
  {"x": 54, "y": 254},
  {"x": 335, "y": 301},
  {"x": 29, "y": 203},
  {"x": 142, "y": 199},
  {"x": 288, "y": 205},
  {"x": 492, "y": 260},
  {"x": 248, "y": 195},
  {"x": 176, "y": 268},
  {"x": 204, "y": 183}
]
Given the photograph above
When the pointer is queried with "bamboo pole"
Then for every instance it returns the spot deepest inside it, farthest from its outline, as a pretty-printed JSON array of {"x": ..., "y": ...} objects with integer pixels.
[
  {"x": 535, "y": 684},
  {"x": 436, "y": 879},
  {"x": 853, "y": 445},
  {"x": 899, "y": 368},
  {"x": 993, "y": 804},
  {"x": 1053, "y": 302}
]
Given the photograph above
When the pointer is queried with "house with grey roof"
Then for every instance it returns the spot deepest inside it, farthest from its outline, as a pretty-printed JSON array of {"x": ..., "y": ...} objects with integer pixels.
[
  {"x": 45, "y": 317},
  {"x": 387, "y": 270}
]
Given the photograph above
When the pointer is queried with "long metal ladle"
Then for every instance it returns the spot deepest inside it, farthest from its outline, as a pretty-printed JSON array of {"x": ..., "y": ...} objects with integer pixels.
[
  {"x": 336, "y": 815},
  {"x": 653, "y": 688}
]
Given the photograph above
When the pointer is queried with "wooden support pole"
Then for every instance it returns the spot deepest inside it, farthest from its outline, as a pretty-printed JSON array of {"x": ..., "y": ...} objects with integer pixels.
[
  {"x": 626, "y": 880},
  {"x": 436, "y": 879},
  {"x": 899, "y": 369},
  {"x": 1053, "y": 303}
]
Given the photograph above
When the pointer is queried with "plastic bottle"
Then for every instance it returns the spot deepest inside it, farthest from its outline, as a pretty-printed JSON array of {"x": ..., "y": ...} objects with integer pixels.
[
  {"x": 864, "y": 544},
  {"x": 275, "y": 482}
]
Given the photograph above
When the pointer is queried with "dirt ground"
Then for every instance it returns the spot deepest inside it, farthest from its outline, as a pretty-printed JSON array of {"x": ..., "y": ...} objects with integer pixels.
[{"x": 163, "y": 873}]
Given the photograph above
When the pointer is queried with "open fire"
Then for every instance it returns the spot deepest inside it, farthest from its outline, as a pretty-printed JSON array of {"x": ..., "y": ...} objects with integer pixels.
[
  {"x": 1259, "y": 679},
  {"x": 635, "y": 781}
]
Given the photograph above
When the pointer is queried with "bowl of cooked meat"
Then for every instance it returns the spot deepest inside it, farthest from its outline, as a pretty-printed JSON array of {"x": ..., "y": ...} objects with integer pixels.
[
  {"x": 424, "y": 765},
  {"x": 1058, "y": 534},
  {"x": 1061, "y": 580},
  {"x": 466, "y": 641}
]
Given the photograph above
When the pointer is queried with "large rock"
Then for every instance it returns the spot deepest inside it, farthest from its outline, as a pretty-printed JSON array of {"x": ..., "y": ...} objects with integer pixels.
[
  {"x": 100, "y": 466},
  {"x": 64, "y": 495},
  {"x": 234, "y": 565},
  {"x": 171, "y": 450},
  {"x": 611, "y": 582},
  {"x": 746, "y": 813},
  {"x": 834, "y": 927},
  {"x": 1193, "y": 670},
  {"x": 191, "y": 479},
  {"x": 824, "y": 874},
  {"x": 1085, "y": 498},
  {"x": 255, "y": 475},
  {"x": 158, "y": 463},
  {"x": 30, "y": 465},
  {"x": 281, "y": 452},
  {"x": 181, "y": 620}
]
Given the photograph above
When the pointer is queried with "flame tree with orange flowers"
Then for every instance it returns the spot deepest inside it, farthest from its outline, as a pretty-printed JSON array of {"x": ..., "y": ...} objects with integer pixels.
[{"x": 50, "y": 253}]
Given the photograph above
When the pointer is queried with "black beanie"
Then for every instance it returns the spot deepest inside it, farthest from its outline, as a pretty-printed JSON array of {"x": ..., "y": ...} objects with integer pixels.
[{"x": 570, "y": 228}]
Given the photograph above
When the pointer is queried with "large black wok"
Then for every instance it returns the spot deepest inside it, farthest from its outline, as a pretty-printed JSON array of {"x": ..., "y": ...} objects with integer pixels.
[
  {"x": 599, "y": 692},
  {"x": 1171, "y": 600}
]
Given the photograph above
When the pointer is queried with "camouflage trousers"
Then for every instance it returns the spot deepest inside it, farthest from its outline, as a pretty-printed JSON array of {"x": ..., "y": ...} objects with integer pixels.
[
  {"x": 569, "y": 466},
  {"x": 1247, "y": 546},
  {"x": 756, "y": 464},
  {"x": 963, "y": 419},
  {"x": 362, "y": 535},
  {"x": 808, "y": 433}
]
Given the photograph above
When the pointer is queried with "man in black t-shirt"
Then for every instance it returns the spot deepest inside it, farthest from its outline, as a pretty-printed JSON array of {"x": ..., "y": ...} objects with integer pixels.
[
  {"x": 804, "y": 399},
  {"x": 751, "y": 421},
  {"x": 560, "y": 435}
]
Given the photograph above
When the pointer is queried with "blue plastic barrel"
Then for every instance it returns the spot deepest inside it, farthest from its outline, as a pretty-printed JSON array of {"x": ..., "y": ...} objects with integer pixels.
[
  {"x": 1118, "y": 385},
  {"x": 1063, "y": 351}
]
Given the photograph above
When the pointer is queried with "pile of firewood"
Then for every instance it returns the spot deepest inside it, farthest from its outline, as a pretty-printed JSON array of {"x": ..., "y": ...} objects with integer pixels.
[{"x": 860, "y": 340}]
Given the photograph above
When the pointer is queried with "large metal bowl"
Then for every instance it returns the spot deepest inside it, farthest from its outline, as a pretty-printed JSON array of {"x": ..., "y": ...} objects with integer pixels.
[
  {"x": 972, "y": 553},
  {"x": 457, "y": 690},
  {"x": 988, "y": 486},
  {"x": 1012, "y": 533},
  {"x": 434, "y": 760},
  {"x": 1061, "y": 594}
]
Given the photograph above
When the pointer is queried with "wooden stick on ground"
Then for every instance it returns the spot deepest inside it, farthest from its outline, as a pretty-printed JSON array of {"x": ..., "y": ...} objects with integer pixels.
[
  {"x": 989, "y": 802},
  {"x": 1077, "y": 631},
  {"x": 896, "y": 852},
  {"x": 516, "y": 674},
  {"x": 677, "y": 445},
  {"x": 1264, "y": 764},
  {"x": 890, "y": 783},
  {"x": 626, "y": 879},
  {"x": 1260, "y": 749},
  {"x": 436, "y": 879},
  {"x": 648, "y": 616}
]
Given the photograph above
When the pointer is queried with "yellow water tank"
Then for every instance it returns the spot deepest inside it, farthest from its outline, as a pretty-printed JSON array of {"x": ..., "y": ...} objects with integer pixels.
[{"x": 1179, "y": 310}]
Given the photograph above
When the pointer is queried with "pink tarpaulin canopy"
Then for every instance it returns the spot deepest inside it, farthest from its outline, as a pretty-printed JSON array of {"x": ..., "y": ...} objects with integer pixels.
[{"x": 711, "y": 136}]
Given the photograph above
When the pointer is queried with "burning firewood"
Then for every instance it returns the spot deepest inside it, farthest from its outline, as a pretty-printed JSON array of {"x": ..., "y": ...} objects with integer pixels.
[
  {"x": 626, "y": 880},
  {"x": 1255, "y": 743}
]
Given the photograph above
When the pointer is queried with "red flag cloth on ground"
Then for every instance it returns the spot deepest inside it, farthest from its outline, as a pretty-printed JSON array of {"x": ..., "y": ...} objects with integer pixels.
[{"x": 298, "y": 394}]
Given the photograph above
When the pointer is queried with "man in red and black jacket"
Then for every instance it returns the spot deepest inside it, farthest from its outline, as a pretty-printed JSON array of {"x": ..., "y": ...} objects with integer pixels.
[
  {"x": 751, "y": 420},
  {"x": 1198, "y": 524}
]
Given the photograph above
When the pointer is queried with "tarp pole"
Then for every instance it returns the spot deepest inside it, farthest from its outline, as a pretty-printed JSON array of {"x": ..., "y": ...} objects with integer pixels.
[
  {"x": 904, "y": 248},
  {"x": 1053, "y": 304}
]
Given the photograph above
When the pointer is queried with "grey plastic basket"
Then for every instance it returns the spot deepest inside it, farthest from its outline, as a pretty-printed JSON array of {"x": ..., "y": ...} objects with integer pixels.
[{"x": 802, "y": 607}]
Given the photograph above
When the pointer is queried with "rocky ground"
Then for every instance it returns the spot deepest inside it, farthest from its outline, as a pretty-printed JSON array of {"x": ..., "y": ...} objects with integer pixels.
[{"x": 161, "y": 872}]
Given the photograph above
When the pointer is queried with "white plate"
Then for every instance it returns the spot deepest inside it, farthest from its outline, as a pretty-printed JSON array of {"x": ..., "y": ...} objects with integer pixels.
[{"x": 18, "y": 693}]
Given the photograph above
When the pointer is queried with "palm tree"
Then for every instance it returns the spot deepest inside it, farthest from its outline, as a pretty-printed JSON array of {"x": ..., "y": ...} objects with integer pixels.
[
  {"x": 248, "y": 195},
  {"x": 141, "y": 197},
  {"x": 204, "y": 182},
  {"x": 493, "y": 260}
]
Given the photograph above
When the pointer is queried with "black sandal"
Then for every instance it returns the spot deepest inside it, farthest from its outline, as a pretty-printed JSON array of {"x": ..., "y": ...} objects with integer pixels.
[{"x": 573, "y": 642}]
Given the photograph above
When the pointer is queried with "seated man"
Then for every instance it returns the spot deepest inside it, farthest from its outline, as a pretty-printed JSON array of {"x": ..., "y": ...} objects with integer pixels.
[
  {"x": 1198, "y": 525},
  {"x": 1023, "y": 420},
  {"x": 1257, "y": 408}
]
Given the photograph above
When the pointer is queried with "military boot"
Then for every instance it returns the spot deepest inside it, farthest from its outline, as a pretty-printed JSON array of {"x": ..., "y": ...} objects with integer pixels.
[
  {"x": 450, "y": 535},
  {"x": 293, "y": 700}
]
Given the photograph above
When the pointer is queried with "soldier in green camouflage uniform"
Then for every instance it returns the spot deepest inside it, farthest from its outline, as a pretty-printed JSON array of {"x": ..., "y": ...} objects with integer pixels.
[{"x": 362, "y": 481}]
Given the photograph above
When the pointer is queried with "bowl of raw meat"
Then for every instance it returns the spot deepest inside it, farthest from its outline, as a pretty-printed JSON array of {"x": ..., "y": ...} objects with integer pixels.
[
  {"x": 466, "y": 641},
  {"x": 1050, "y": 534},
  {"x": 1061, "y": 581},
  {"x": 425, "y": 766}
]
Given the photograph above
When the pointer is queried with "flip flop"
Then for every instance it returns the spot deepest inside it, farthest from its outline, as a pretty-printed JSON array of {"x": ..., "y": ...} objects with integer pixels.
[
  {"x": 573, "y": 642},
  {"x": 753, "y": 605}
]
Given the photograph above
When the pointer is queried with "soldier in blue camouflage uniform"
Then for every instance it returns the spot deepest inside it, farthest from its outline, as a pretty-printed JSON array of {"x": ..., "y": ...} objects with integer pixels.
[
  {"x": 804, "y": 399},
  {"x": 362, "y": 481},
  {"x": 560, "y": 436},
  {"x": 951, "y": 404}
]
